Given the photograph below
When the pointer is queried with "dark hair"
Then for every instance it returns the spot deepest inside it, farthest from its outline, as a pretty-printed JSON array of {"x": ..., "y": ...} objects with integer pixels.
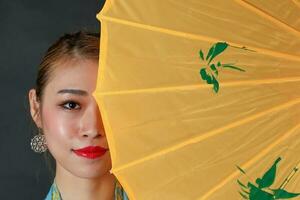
[
  {"x": 81, "y": 44},
  {"x": 76, "y": 45}
]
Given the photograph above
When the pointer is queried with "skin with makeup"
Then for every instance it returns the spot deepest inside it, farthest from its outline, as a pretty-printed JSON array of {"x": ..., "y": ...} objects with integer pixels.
[{"x": 70, "y": 119}]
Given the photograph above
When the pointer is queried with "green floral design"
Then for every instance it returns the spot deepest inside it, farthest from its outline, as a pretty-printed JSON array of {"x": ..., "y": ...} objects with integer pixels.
[
  {"x": 262, "y": 189},
  {"x": 210, "y": 72}
]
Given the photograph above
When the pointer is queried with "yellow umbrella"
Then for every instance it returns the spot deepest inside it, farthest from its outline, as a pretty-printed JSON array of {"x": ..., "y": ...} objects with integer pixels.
[{"x": 201, "y": 98}]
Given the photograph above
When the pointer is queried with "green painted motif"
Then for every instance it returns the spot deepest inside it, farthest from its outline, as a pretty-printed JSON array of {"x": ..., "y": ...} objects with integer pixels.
[
  {"x": 262, "y": 189},
  {"x": 210, "y": 72}
]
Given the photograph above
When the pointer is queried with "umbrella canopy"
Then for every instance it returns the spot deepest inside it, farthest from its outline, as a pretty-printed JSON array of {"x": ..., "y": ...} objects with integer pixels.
[{"x": 201, "y": 99}]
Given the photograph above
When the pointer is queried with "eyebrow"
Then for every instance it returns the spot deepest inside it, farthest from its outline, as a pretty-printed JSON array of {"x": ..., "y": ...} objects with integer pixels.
[{"x": 73, "y": 91}]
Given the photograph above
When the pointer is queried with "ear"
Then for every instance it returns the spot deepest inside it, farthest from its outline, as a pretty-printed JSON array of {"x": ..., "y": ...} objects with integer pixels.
[{"x": 35, "y": 107}]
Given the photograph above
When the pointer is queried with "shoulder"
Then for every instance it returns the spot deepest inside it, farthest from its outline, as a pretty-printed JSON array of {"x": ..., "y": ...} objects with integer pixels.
[
  {"x": 53, "y": 193},
  {"x": 48, "y": 197},
  {"x": 120, "y": 193}
]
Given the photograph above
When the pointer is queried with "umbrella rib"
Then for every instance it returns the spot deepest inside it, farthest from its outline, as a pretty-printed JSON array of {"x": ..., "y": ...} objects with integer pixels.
[
  {"x": 296, "y": 3},
  {"x": 209, "y": 134},
  {"x": 198, "y": 37},
  {"x": 246, "y": 165},
  {"x": 268, "y": 16},
  {"x": 251, "y": 161},
  {"x": 197, "y": 86}
]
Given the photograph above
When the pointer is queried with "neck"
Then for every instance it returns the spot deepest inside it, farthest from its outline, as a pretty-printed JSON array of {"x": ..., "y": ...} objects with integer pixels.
[{"x": 76, "y": 188}]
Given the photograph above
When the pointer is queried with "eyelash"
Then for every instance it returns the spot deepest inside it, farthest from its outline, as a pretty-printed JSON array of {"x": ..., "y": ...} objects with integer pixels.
[{"x": 67, "y": 102}]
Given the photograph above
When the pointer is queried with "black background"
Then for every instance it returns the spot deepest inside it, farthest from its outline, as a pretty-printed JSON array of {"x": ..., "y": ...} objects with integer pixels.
[{"x": 28, "y": 27}]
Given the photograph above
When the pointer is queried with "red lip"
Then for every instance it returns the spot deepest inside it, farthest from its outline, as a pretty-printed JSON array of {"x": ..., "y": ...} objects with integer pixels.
[{"x": 91, "y": 152}]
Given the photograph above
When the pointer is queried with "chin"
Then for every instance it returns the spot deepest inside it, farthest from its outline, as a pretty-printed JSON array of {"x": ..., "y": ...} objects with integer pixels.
[
  {"x": 95, "y": 169},
  {"x": 97, "y": 173}
]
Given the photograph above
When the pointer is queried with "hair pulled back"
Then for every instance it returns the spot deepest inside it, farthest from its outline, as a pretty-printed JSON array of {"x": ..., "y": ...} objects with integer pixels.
[{"x": 80, "y": 44}]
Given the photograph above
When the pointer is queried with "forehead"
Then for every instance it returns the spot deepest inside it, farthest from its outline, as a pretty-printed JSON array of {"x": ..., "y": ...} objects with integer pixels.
[{"x": 73, "y": 74}]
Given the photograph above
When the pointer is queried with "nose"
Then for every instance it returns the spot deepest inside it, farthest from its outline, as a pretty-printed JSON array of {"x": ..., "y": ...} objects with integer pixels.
[{"x": 91, "y": 122}]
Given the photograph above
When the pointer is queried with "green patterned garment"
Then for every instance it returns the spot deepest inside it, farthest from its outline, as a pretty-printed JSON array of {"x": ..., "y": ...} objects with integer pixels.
[{"x": 54, "y": 193}]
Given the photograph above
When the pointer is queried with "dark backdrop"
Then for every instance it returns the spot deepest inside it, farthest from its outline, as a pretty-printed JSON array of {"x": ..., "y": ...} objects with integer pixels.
[{"x": 27, "y": 28}]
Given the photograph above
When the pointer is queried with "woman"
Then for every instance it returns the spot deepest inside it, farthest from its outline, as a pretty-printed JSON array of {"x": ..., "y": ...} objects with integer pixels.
[{"x": 69, "y": 120}]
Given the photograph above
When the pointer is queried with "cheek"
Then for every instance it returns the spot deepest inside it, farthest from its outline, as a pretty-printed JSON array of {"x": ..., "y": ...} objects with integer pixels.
[{"x": 59, "y": 128}]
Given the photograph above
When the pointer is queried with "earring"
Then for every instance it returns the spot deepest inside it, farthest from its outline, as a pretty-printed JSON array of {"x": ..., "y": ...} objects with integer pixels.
[{"x": 38, "y": 143}]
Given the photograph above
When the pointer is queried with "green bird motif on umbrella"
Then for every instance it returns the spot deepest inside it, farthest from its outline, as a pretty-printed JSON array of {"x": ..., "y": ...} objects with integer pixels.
[
  {"x": 262, "y": 190},
  {"x": 210, "y": 72}
]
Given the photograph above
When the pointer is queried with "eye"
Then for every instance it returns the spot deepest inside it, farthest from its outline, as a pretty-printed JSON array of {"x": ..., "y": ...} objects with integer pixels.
[{"x": 70, "y": 105}]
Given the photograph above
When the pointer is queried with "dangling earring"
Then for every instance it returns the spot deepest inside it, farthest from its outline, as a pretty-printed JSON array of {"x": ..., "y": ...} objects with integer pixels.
[{"x": 38, "y": 143}]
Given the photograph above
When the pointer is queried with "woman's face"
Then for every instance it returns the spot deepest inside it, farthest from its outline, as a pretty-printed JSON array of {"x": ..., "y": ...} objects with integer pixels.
[{"x": 70, "y": 118}]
